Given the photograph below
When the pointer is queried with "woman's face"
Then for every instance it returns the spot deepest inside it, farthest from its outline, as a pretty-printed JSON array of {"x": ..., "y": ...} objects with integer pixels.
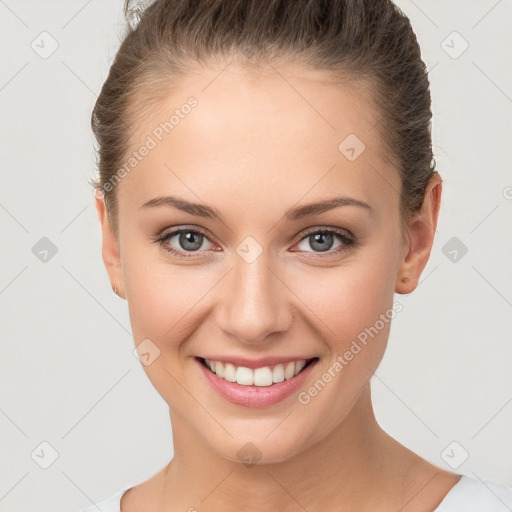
[{"x": 260, "y": 281}]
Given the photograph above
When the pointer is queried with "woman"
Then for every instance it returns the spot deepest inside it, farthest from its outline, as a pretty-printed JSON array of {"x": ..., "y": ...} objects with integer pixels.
[{"x": 266, "y": 186}]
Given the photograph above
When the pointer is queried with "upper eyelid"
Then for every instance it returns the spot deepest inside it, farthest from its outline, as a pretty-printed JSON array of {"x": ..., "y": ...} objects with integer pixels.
[{"x": 339, "y": 231}]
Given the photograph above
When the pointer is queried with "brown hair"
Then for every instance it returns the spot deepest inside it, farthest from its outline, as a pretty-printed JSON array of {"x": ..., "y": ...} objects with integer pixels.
[{"x": 369, "y": 40}]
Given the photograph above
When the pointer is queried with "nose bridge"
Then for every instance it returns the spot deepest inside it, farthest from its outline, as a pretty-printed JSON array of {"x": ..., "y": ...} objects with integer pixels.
[{"x": 256, "y": 303}]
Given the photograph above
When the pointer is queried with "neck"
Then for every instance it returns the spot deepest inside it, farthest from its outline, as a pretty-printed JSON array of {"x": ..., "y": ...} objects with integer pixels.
[{"x": 350, "y": 467}]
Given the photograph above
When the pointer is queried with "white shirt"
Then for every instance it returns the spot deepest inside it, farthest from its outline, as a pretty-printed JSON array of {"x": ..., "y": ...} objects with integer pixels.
[{"x": 469, "y": 494}]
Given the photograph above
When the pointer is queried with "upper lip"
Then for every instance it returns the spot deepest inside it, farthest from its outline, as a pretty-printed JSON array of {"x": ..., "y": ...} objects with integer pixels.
[{"x": 257, "y": 363}]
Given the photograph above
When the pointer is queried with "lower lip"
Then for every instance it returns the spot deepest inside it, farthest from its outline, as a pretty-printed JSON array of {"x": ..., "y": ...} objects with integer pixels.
[{"x": 256, "y": 396}]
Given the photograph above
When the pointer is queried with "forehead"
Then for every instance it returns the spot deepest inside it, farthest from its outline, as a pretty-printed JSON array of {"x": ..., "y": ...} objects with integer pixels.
[{"x": 277, "y": 131}]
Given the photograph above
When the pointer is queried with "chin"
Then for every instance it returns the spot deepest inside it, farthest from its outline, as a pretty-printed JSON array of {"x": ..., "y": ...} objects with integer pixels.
[{"x": 259, "y": 449}]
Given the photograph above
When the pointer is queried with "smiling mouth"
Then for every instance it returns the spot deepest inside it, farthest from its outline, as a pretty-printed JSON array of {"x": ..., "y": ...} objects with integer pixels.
[{"x": 258, "y": 377}]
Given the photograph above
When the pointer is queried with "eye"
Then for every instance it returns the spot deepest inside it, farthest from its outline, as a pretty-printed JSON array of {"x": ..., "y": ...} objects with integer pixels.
[
  {"x": 323, "y": 240},
  {"x": 186, "y": 242},
  {"x": 189, "y": 243}
]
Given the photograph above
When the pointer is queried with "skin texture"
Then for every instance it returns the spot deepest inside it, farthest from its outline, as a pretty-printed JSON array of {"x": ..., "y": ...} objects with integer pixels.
[{"x": 258, "y": 143}]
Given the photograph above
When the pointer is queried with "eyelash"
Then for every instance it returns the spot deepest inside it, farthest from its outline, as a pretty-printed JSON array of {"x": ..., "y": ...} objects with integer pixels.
[{"x": 347, "y": 242}]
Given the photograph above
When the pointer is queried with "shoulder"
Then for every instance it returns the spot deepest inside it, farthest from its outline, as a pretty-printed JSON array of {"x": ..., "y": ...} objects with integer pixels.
[
  {"x": 112, "y": 504},
  {"x": 471, "y": 494}
]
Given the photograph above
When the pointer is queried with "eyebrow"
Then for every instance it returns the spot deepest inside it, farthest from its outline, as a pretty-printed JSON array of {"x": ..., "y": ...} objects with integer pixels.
[{"x": 292, "y": 214}]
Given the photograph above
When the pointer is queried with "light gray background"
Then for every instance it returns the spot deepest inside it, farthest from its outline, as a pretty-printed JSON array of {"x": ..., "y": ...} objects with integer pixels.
[{"x": 68, "y": 375}]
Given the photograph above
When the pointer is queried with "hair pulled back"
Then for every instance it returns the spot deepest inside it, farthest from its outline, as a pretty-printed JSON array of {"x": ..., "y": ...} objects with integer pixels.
[{"x": 369, "y": 40}]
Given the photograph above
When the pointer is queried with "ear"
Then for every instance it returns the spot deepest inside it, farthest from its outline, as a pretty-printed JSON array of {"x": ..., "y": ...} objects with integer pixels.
[
  {"x": 110, "y": 246},
  {"x": 421, "y": 231}
]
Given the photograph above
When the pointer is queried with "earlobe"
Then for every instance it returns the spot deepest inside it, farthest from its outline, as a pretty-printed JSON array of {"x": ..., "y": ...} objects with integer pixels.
[
  {"x": 110, "y": 248},
  {"x": 404, "y": 285},
  {"x": 421, "y": 231}
]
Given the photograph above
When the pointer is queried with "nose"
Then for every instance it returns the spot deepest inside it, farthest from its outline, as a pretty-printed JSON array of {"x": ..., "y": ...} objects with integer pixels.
[{"x": 256, "y": 302}]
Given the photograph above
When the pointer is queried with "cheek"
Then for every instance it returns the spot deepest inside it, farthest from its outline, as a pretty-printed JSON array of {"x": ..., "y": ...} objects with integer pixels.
[
  {"x": 355, "y": 313},
  {"x": 164, "y": 301},
  {"x": 161, "y": 299},
  {"x": 349, "y": 298},
  {"x": 353, "y": 307}
]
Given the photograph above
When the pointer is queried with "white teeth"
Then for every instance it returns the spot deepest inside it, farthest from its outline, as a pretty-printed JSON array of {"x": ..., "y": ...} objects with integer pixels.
[
  {"x": 219, "y": 369},
  {"x": 299, "y": 365},
  {"x": 278, "y": 373},
  {"x": 264, "y": 376},
  {"x": 244, "y": 376},
  {"x": 229, "y": 372},
  {"x": 289, "y": 371}
]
